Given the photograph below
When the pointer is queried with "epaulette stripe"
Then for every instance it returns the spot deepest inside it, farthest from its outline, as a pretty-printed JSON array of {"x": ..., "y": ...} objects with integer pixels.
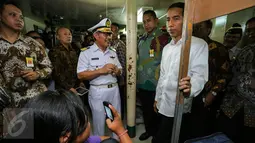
[{"x": 84, "y": 49}]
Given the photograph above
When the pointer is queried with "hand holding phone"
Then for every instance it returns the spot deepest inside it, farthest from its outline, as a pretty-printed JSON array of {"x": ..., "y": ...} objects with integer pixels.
[
  {"x": 108, "y": 111},
  {"x": 115, "y": 125}
]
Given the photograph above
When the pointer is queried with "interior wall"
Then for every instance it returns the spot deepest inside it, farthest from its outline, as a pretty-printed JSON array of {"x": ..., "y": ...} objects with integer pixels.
[
  {"x": 29, "y": 24},
  {"x": 219, "y": 28},
  {"x": 220, "y": 24},
  {"x": 223, "y": 23},
  {"x": 240, "y": 17}
]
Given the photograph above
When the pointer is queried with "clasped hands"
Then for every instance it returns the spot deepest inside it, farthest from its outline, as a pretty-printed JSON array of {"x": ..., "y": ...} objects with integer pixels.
[
  {"x": 110, "y": 69},
  {"x": 29, "y": 75}
]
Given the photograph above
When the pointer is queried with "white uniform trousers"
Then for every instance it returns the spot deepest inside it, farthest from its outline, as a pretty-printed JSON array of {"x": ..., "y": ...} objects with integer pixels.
[{"x": 97, "y": 95}]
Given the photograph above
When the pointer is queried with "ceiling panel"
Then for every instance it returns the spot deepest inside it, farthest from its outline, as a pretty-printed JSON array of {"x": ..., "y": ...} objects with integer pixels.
[{"x": 88, "y": 12}]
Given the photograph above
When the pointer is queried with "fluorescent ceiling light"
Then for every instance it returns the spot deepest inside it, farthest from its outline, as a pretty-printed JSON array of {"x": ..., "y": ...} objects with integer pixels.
[
  {"x": 140, "y": 11},
  {"x": 140, "y": 15},
  {"x": 221, "y": 20}
]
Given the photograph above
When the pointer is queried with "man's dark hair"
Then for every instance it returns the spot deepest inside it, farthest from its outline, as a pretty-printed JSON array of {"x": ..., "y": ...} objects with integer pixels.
[
  {"x": 116, "y": 24},
  {"x": 177, "y": 5},
  {"x": 30, "y": 32},
  {"x": 236, "y": 25},
  {"x": 56, "y": 113},
  {"x": 235, "y": 29},
  {"x": 7, "y": 2},
  {"x": 250, "y": 20},
  {"x": 35, "y": 37},
  {"x": 209, "y": 24},
  {"x": 150, "y": 12}
]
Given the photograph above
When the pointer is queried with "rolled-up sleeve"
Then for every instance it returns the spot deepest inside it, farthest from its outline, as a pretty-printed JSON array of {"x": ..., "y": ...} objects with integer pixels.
[
  {"x": 83, "y": 62},
  {"x": 199, "y": 69}
]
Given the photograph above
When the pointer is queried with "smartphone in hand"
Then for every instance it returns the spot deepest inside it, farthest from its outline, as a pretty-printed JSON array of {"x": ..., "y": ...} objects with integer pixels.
[{"x": 108, "y": 111}]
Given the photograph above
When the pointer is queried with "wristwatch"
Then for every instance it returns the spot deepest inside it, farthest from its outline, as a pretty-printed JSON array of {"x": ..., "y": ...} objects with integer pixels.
[{"x": 214, "y": 93}]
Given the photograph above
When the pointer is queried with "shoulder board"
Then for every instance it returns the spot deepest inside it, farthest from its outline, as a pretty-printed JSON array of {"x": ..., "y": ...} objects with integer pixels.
[
  {"x": 84, "y": 49},
  {"x": 114, "y": 50}
]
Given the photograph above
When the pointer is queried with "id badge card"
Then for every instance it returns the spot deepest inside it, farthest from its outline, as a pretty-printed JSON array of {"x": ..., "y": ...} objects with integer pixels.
[
  {"x": 151, "y": 53},
  {"x": 30, "y": 62}
]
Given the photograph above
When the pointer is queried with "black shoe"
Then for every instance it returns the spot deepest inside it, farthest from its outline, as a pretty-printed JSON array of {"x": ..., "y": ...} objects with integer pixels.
[{"x": 144, "y": 136}]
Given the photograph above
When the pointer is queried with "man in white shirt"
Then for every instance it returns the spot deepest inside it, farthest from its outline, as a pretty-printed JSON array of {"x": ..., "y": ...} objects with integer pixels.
[
  {"x": 100, "y": 65},
  {"x": 165, "y": 99}
]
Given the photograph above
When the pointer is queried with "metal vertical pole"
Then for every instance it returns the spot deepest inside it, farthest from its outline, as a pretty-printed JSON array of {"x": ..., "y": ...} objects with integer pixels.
[
  {"x": 184, "y": 64},
  {"x": 131, "y": 65}
]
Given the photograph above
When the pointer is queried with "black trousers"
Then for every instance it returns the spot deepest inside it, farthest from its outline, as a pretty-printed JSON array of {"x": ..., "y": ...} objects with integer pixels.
[
  {"x": 234, "y": 128},
  {"x": 165, "y": 128},
  {"x": 203, "y": 118},
  {"x": 147, "y": 99}
]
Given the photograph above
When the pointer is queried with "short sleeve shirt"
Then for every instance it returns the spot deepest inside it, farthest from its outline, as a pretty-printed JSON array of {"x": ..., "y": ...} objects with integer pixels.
[{"x": 94, "y": 58}]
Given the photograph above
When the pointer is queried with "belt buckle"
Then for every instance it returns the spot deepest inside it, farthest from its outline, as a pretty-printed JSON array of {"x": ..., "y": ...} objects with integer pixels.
[{"x": 110, "y": 85}]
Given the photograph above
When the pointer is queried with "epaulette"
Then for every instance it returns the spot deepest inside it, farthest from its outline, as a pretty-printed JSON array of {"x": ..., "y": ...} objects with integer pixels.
[
  {"x": 114, "y": 50},
  {"x": 84, "y": 49}
]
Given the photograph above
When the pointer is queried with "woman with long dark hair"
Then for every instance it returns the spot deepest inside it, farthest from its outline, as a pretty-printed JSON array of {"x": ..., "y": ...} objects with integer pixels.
[{"x": 60, "y": 117}]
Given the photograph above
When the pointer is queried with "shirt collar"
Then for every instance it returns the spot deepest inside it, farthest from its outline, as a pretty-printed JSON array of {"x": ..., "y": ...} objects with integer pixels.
[
  {"x": 64, "y": 48},
  {"x": 176, "y": 44},
  {"x": 21, "y": 37},
  {"x": 155, "y": 32},
  {"x": 234, "y": 49},
  {"x": 95, "y": 48}
]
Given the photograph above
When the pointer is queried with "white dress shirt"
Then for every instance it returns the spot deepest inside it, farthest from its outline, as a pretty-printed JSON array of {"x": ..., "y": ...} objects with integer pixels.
[
  {"x": 234, "y": 52},
  {"x": 169, "y": 69},
  {"x": 94, "y": 58}
]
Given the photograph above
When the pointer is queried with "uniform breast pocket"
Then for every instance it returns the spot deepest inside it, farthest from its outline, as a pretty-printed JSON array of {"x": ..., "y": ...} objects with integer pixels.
[{"x": 94, "y": 65}]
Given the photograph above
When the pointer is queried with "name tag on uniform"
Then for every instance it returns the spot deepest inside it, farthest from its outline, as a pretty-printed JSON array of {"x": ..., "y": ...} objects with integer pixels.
[
  {"x": 30, "y": 62},
  {"x": 151, "y": 53},
  {"x": 94, "y": 59}
]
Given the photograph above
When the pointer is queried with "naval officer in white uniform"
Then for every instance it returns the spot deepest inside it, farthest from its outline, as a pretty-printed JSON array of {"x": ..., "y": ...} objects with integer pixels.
[{"x": 100, "y": 65}]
